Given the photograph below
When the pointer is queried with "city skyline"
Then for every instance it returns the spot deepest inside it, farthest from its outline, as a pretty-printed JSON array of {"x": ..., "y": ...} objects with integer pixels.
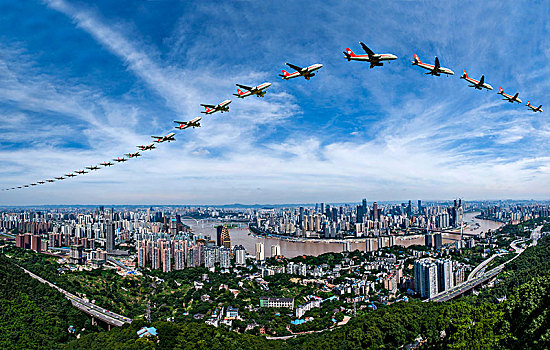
[{"x": 82, "y": 84}]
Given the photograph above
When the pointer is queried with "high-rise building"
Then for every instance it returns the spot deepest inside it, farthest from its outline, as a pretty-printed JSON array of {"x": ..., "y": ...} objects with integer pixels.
[
  {"x": 275, "y": 250},
  {"x": 240, "y": 255},
  {"x": 225, "y": 258},
  {"x": 420, "y": 206},
  {"x": 445, "y": 278},
  {"x": 166, "y": 257},
  {"x": 425, "y": 278},
  {"x": 438, "y": 241},
  {"x": 173, "y": 226},
  {"x": 223, "y": 239},
  {"x": 110, "y": 243},
  {"x": 260, "y": 253},
  {"x": 375, "y": 211}
]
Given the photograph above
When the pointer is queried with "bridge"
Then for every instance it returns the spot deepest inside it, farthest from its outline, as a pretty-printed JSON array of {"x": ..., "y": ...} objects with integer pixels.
[
  {"x": 96, "y": 312},
  {"x": 423, "y": 229}
]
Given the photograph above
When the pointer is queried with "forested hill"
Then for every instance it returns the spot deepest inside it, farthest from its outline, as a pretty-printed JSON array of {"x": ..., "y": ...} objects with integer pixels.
[
  {"x": 521, "y": 322},
  {"x": 32, "y": 315}
]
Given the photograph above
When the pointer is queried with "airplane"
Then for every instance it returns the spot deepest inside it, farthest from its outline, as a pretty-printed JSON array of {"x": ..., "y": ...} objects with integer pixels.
[
  {"x": 59, "y": 178},
  {"x": 509, "y": 98},
  {"x": 50, "y": 180},
  {"x": 26, "y": 186},
  {"x": 146, "y": 147},
  {"x": 19, "y": 187},
  {"x": 476, "y": 84},
  {"x": 167, "y": 138},
  {"x": 93, "y": 167},
  {"x": 435, "y": 69},
  {"x": 118, "y": 160},
  {"x": 33, "y": 184},
  {"x": 106, "y": 163},
  {"x": 70, "y": 175},
  {"x": 81, "y": 172},
  {"x": 41, "y": 182},
  {"x": 373, "y": 58},
  {"x": 133, "y": 155},
  {"x": 222, "y": 107},
  {"x": 256, "y": 90},
  {"x": 193, "y": 123},
  {"x": 306, "y": 72},
  {"x": 534, "y": 109}
]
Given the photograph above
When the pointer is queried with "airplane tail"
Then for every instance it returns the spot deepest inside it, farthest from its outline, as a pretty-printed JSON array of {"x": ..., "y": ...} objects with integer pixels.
[
  {"x": 416, "y": 59},
  {"x": 528, "y": 103},
  {"x": 239, "y": 91},
  {"x": 285, "y": 74},
  {"x": 501, "y": 91},
  {"x": 464, "y": 74},
  {"x": 350, "y": 53}
]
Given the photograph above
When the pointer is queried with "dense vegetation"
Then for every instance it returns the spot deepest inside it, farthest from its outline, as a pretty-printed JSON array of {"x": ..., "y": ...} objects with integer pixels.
[
  {"x": 33, "y": 315},
  {"x": 521, "y": 322}
]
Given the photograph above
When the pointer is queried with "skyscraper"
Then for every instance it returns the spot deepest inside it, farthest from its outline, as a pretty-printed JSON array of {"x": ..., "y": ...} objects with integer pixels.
[
  {"x": 444, "y": 275},
  {"x": 375, "y": 211},
  {"x": 260, "y": 253},
  {"x": 110, "y": 243},
  {"x": 223, "y": 239},
  {"x": 425, "y": 278},
  {"x": 275, "y": 250},
  {"x": 240, "y": 255}
]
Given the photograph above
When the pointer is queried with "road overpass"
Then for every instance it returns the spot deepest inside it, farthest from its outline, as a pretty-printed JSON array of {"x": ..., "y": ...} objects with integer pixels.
[
  {"x": 481, "y": 276},
  {"x": 96, "y": 312}
]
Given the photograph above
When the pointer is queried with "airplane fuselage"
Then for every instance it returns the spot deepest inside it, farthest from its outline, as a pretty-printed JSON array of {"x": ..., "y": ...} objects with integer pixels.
[
  {"x": 431, "y": 68},
  {"x": 306, "y": 72},
  {"x": 475, "y": 83},
  {"x": 375, "y": 58},
  {"x": 258, "y": 91},
  {"x": 509, "y": 98}
]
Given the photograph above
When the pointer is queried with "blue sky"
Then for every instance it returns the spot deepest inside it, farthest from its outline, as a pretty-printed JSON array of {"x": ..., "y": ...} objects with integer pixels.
[{"x": 83, "y": 82}]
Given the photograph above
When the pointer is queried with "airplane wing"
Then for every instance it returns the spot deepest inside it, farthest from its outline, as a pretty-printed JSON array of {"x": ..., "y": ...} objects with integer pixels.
[
  {"x": 482, "y": 80},
  {"x": 437, "y": 65},
  {"x": 245, "y": 87},
  {"x": 296, "y": 68},
  {"x": 367, "y": 50},
  {"x": 515, "y": 96},
  {"x": 209, "y": 106}
]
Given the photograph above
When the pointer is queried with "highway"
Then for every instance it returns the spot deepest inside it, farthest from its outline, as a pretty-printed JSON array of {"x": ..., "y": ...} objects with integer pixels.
[
  {"x": 481, "y": 276},
  {"x": 105, "y": 315}
]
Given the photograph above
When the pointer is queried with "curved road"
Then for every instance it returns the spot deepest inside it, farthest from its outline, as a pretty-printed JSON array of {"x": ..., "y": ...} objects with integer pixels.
[{"x": 85, "y": 306}]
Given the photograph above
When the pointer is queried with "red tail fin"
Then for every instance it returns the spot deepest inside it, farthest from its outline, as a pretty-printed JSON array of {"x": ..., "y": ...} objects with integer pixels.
[
  {"x": 528, "y": 103},
  {"x": 348, "y": 50},
  {"x": 501, "y": 89},
  {"x": 207, "y": 109},
  {"x": 285, "y": 73},
  {"x": 464, "y": 74},
  {"x": 416, "y": 58},
  {"x": 240, "y": 92}
]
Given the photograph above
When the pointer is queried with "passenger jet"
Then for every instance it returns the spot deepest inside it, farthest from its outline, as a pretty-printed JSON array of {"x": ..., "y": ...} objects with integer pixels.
[
  {"x": 509, "y": 98},
  {"x": 193, "y": 123},
  {"x": 476, "y": 84},
  {"x": 533, "y": 108},
  {"x": 306, "y": 72},
  {"x": 256, "y": 90},
  {"x": 165, "y": 138},
  {"x": 373, "y": 58},
  {"x": 220, "y": 107},
  {"x": 435, "y": 69}
]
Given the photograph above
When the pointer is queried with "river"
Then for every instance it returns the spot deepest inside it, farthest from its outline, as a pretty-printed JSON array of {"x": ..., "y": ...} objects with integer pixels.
[{"x": 241, "y": 236}]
